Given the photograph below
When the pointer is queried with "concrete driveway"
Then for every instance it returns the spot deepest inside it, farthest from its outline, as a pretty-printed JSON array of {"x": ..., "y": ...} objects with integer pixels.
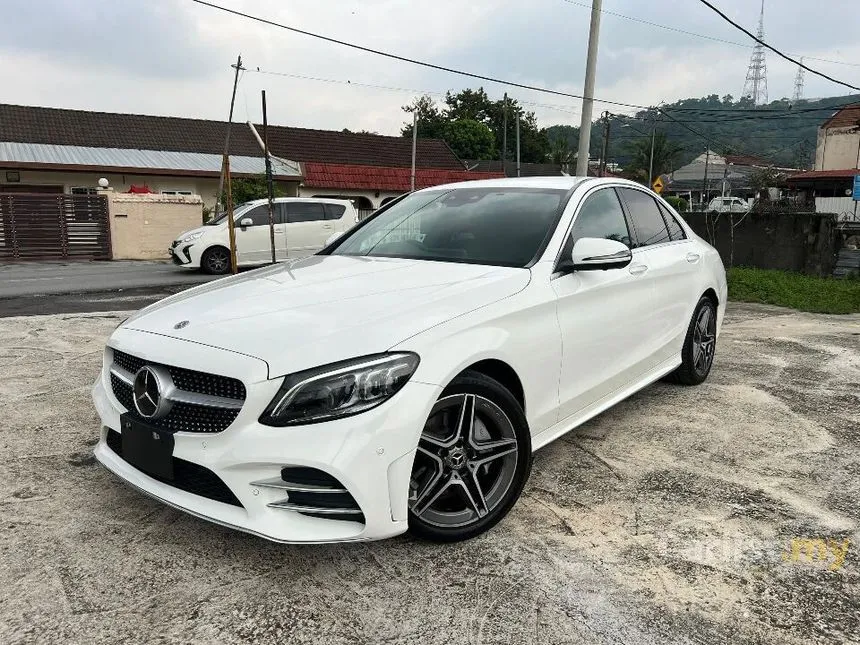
[{"x": 680, "y": 516}]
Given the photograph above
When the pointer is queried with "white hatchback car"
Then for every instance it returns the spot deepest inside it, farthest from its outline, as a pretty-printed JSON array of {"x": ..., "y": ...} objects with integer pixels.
[
  {"x": 302, "y": 226},
  {"x": 402, "y": 377},
  {"x": 728, "y": 205}
]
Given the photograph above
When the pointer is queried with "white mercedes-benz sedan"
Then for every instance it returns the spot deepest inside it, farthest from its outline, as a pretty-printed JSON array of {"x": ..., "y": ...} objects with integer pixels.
[{"x": 402, "y": 377}]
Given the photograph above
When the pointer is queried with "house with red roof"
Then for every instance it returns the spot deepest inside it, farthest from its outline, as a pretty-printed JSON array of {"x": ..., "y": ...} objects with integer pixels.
[
  {"x": 50, "y": 150},
  {"x": 837, "y": 162}
]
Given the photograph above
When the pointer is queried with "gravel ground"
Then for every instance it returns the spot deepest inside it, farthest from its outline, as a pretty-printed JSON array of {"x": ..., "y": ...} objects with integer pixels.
[{"x": 669, "y": 519}]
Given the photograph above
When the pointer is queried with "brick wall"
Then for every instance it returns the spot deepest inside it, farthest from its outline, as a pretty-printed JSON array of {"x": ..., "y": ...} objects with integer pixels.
[{"x": 143, "y": 226}]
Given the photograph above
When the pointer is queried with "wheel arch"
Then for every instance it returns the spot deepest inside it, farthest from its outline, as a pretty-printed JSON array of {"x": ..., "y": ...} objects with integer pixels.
[
  {"x": 711, "y": 294},
  {"x": 500, "y": 371}
]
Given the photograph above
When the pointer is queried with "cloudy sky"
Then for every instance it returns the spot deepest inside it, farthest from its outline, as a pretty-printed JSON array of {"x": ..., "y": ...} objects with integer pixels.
[{"x": 172, "y": 57}]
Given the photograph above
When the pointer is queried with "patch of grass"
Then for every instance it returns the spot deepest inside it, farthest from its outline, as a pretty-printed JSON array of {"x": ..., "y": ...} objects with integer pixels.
[{"x": 795, "y": 290}]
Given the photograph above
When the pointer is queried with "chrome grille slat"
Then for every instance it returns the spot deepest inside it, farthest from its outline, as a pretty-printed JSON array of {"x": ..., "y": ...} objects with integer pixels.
[
  {"x": 280, "y": 484},
  {"x": 286, "y": 505}
]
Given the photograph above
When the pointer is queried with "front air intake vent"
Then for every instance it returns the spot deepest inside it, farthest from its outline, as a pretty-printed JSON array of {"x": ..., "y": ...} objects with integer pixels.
[{"x": 313, "y": 493}]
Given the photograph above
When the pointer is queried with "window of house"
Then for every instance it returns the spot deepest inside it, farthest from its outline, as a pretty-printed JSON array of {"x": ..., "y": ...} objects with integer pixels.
[
  {"x": 648, "y": 224},
  {"x": 176, "y": 192},
  {"x": 83, "y": 190}
]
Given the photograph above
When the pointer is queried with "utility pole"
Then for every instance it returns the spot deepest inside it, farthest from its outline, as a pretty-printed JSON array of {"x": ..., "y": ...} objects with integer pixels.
[
  {"x": 605, "y": 148},
  {"x": 504, "y": 131},
  {"x": 705, "y": 183},
  {"x": 588, "y": 93},
  {"x": 269, "y": 183},
  {"x": 518, "y": 142},
  {"x": 651, "y": 158},
  {"x": 225, "y": 172},
  {"x": 414, "y": 148}
]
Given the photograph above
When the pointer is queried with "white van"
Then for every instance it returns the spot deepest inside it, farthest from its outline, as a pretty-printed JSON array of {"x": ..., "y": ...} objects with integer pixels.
[
  {"x": 302, "y": 226},
  {"x": 728, "y": 205}
]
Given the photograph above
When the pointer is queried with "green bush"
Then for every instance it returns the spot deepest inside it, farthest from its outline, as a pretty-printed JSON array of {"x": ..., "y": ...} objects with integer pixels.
[{"x": 795, "y": 290}]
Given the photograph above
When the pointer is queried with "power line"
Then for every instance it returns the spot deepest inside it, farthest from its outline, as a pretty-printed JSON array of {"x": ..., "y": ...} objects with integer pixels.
[
  {"x": 559, "y": 108},
  {"x": 697, "y": 35},
  {"x": 775, "y": 50},
  {"x": 412, "y": 61}
]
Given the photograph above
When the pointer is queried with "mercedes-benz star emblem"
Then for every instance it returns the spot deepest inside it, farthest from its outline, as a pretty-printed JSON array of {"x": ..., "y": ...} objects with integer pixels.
[
  {"x": 148, "y": 393},
  {"x": 181, "y": 324}
]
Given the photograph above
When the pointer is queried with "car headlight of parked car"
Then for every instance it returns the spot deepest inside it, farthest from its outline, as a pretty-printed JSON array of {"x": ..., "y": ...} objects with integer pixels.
[
  {"x": 340, "y": 389},
  {"x": 191, "y": 237}
]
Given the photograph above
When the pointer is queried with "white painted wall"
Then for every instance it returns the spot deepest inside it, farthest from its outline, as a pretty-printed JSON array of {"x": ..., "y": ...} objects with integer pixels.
[
  {"x": 844, "y": 207},
  {"x": 205, "y": 187},
  {"x": 376, "y": 197},
  {"x": 838, "y": 148}
]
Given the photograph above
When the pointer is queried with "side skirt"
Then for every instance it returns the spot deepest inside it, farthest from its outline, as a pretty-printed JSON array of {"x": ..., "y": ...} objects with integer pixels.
[{"x": 578, "y": 418}]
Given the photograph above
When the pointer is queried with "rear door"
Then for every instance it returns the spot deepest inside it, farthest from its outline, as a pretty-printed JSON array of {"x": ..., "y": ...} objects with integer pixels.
[
  {"x": 660, "y": 241},
  {"x": 307, "y": 228},
  {"x": 601, "y": 314}
]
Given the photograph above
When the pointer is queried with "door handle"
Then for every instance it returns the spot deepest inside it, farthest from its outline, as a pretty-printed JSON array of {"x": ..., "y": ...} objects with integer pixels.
[
  {"x": 638, "y": 269},
  {"x": 327, "y": 227},
  {"x": 279, "y": 231},
  {"x": 692, "y": 258}
]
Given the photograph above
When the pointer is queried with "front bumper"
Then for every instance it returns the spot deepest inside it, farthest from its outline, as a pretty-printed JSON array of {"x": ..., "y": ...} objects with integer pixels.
[
  {"x": 371, "y": 454},
  {"x": 182, "y": 256}
]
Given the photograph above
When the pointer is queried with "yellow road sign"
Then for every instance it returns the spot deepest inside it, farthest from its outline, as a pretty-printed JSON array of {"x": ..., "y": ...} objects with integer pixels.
[{"x": 657, "y": 185}]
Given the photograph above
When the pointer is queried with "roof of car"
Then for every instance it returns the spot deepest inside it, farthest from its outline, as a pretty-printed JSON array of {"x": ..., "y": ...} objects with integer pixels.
[
  {"x": 563, "y": 182},
  {"x": 326, "y": 200}
]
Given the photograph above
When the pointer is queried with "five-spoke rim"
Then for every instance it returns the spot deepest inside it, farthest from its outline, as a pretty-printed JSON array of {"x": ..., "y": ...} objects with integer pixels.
[
  {"x": 704, "y": 340},
  {"x": 466, "y": 461}
]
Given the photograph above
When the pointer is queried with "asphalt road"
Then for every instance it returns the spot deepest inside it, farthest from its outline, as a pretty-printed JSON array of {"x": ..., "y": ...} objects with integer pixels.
[
  {"x": 680, "y": 516},
  {"x": 77, "y": 287},
  {"x": 46, "y": 278}
]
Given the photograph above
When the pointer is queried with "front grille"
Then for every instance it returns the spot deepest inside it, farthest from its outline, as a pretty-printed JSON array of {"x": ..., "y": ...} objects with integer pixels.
[
  {"x": 188, "y": 476},
  {"x": 188, "y": 380},
  {"x": 183, "y": 417}
]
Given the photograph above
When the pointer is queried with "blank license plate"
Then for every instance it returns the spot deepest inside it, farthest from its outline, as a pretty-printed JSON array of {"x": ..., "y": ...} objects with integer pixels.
[{"x": 147, "y": 448}]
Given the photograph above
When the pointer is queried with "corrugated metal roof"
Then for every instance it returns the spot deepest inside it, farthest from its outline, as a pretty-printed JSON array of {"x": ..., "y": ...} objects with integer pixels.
[{"x": 44, "y": 153}]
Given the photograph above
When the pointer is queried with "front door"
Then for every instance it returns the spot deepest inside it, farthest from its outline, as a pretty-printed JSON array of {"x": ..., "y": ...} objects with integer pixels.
[
  {"x": 600, "y": 313},
  {"x": 307, "y": 228},
  {"x": 253, "y": 242}
]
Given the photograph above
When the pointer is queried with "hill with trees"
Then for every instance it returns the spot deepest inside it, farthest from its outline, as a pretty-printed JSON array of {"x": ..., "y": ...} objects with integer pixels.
[{"x": 782, "y": 133}]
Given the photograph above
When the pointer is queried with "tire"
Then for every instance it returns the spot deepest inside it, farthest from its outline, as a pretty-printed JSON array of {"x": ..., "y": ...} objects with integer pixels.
[
  {"x": 216, "y": 260},
  {"x": 467, "y": 476},
  {"x": 697, "y": 354}
]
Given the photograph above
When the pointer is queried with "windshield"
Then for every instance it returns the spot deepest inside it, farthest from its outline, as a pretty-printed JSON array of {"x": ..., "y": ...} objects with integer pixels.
[
  {"x": 237, "y": 211},
  {"x": 497, "y": 226}
]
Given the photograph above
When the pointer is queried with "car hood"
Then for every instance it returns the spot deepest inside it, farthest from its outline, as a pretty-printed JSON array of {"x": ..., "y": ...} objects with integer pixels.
[{"x": 326, "y": 308}]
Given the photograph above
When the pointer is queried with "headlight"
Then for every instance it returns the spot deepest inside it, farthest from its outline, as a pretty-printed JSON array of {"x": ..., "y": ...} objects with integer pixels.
[
  {"x": 339, "y": 390},
  {"x": 193, "y": 236}
]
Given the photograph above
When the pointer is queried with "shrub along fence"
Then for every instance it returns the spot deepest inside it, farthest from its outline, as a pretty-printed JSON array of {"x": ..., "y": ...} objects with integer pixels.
[{"x": 803, "y": 242}]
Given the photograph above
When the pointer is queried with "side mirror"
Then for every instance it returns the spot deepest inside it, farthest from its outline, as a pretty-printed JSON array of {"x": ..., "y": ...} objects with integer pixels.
[
  {"x": 599, "y": 254},
  {"x": 245, "y": 222},
  {"x": 333, "y": 237}
]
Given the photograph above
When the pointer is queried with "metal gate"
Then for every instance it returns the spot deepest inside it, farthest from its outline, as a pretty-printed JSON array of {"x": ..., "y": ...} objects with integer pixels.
[{"x": 54, "y": 227}]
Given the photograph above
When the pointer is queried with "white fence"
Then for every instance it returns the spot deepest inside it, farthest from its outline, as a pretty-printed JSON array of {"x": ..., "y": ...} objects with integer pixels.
[{"x": 846, "y": 209}]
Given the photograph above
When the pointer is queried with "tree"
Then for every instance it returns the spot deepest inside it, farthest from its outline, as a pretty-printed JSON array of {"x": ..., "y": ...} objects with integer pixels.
[
  {"x": 560, "y": 152},
  {"x": 665, "y": 154},
  {"x": 763, "y": 178},
  {"x": 246, "y": 189},
  {"x": 431, "y": 120},
  {"x": 475, "y": 105},
  {"x": 470, "y": 139}
]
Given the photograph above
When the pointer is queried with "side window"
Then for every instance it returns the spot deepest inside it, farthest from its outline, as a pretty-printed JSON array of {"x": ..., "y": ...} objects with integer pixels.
[
  {"x": 675, "y": 231},
  {"x": 334, "y": 211},
  {"x": 647, "y": 220},
  {"x": 601, "y": 216},
  {"x": 260, "y": 215},
  {"x": 304, "y": 212}
]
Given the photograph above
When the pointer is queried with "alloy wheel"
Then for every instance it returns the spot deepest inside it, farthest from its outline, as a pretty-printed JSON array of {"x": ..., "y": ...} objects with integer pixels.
[
  {"x": 465, "y": 463},
  {"x": 704, "y": 340},
  {"x": 218, "y": 261}
]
